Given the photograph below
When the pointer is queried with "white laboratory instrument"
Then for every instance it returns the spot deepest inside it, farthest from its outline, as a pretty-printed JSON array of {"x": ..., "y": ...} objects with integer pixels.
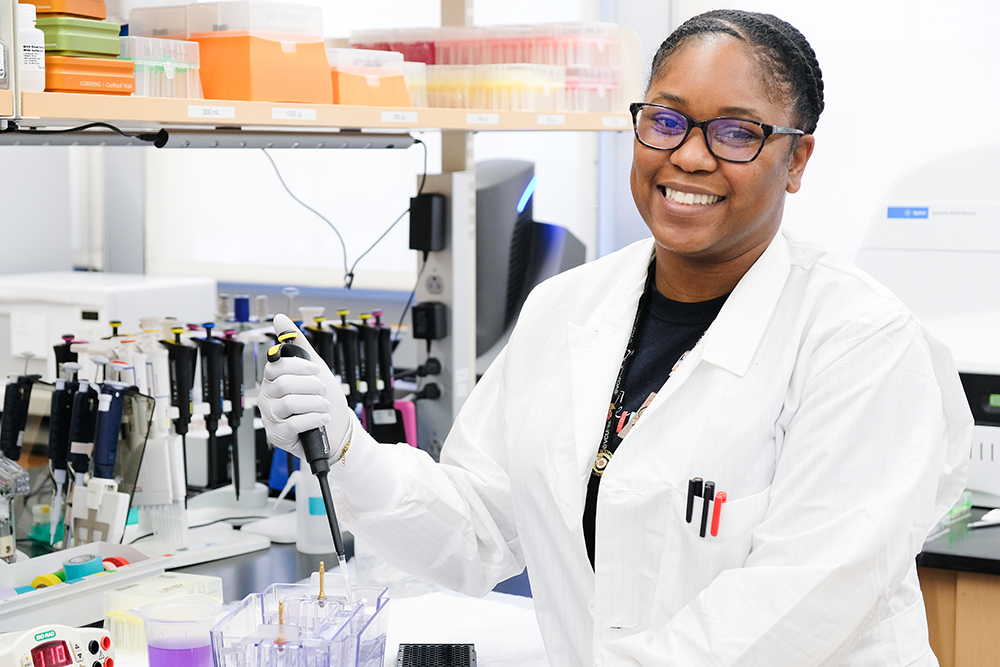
[
  {"x": 935, "y": 242},
  {"x": 57, "y": 646},
  {"x": 37, "y": 308}
]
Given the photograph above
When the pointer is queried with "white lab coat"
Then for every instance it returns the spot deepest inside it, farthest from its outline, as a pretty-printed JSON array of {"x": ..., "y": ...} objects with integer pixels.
[{"x": 837, "y": 427}]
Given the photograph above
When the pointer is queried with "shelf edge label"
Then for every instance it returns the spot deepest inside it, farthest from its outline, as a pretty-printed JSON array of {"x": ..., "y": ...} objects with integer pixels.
[
  {"x": 399, "y": 116},
  {"x": 551, "y": 119},
  {"x": 482, "y": 118},
  {"x": 198, "y": 111},
  {"x": 292, "y": 113},
  {"x": 614, "y": 121}
]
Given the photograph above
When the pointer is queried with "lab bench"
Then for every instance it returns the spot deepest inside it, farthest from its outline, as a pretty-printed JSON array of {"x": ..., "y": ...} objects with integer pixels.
[{"x": 959, "y": 577}]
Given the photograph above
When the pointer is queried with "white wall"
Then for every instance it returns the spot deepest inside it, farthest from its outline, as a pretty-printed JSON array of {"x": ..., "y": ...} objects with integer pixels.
[
  {"x": 36, "y": 210},
  {"x": 907, "y": 81}
]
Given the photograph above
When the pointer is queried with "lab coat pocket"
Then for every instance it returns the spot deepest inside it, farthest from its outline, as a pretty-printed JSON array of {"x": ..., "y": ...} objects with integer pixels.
[{"x": 691, "y": 562}]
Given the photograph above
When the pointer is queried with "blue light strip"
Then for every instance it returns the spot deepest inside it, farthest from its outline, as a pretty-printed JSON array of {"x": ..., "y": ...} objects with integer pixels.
[{"x": 528, "y": 191}]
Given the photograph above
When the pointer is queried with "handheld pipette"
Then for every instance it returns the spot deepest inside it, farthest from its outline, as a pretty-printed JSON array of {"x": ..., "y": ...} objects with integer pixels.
[
  {"x": 60, "y": 417},
  {"x": 234, "y": 392},
  {"x": 316, "y": 448},
  {"x": 213, "y": 370},
  {"x": 183, "y": 359},
  {"x": 347, "y": 351},
  {"x": 15, "y": 412}
]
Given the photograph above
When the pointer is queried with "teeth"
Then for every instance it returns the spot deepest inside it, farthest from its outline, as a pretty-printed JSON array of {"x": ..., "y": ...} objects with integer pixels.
[{"x": 690, "y": 198}]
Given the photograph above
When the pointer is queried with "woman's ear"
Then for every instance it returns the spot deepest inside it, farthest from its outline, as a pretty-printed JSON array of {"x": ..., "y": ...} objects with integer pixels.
[{"x": 797, "y": 162}]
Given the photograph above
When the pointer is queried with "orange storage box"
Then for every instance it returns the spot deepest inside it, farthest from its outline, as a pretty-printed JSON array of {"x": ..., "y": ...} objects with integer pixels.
[
  {"x": 107, "y": 76},
  {"x": 88, "y": 9},
  {"x": 261, "y": 51},
  {"x": 368, "y": 77}
]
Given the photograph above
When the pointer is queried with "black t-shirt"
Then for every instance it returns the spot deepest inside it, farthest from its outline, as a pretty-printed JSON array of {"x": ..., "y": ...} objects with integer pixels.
[{"x": 666, "y": 330}]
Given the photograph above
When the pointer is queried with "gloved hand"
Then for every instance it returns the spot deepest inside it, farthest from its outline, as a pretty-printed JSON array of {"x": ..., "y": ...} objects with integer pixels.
[{"x": 298, "y": 395}]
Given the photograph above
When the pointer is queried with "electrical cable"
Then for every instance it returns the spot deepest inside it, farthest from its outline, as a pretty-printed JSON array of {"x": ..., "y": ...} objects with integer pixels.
[
  {"x": 409, "y": 301},
  {"x": 349, "y": 273},
  {"x": 158, "y": 139},
  {"x": 343, "y": 246}
]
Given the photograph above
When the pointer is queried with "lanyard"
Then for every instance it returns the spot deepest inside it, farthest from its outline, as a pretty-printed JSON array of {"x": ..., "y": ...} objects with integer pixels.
[{"x": 617, "y": 395}]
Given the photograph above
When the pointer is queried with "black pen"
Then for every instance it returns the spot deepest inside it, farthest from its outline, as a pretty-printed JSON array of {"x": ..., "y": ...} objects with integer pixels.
[
  {"x": 694, "y": 489},
  {"x": 707, "y": 496}
]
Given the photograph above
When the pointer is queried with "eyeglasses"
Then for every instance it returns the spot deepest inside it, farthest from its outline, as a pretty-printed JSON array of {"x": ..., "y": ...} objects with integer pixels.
[{"x": 729, "y": 139}]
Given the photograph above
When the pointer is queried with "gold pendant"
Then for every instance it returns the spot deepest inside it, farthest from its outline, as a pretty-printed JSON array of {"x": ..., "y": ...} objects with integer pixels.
[{"x": 601, "y": 462}]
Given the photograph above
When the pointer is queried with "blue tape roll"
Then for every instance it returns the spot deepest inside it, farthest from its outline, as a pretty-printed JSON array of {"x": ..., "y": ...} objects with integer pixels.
[
  {"x": 23, "y": 589},
  {"x": 79, "y": 567}
]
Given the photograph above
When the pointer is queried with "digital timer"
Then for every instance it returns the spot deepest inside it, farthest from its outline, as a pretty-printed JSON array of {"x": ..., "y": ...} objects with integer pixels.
[{"x": 57, "y": 646}]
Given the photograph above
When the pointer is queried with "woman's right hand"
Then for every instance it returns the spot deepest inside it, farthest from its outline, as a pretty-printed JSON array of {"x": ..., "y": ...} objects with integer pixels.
[{"x": 299, "y": 394}]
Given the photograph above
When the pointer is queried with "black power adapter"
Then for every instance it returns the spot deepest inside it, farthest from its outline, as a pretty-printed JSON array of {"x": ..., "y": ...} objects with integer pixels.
[
  {"x": 427, "y": 222},
  {"x": 430, "y": 321}
]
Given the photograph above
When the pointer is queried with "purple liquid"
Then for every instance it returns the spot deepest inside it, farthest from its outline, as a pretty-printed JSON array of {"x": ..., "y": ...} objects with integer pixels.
[{"x": 199, "y": 656}]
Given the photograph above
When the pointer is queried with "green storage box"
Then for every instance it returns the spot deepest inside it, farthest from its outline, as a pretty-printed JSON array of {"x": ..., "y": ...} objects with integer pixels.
[{"x": 71, "y": 36}]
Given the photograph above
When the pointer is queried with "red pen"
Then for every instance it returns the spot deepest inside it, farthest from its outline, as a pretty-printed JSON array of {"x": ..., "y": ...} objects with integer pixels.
[{"x": 720, "y": 499}]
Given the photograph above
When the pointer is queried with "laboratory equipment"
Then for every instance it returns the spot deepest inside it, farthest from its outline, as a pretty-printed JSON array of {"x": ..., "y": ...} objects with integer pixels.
[
  {"x": 177, "y": 630},
  {"x": 233, "y": 378},
  {"x": 60, "y": 417},
  {"x": 74, "y": 74},
  {"x": 349, "y": 356},
  {"x": 53, "y": 645},
  {"x": 369, "y": 77},
  {"x": 163, "y": 67},
  {"x": 304, "y": 624},
  {"x": 183, "y": 361},
  {"x": 37, "y": 307},
  {"x": 30, "y": 48},
  {"x": 90, "y": 9},
  {"x": 75, "y": 604},
  {"x": 213, "y": 391},
  {"x": 17, "y": 398},
  {"x": 935, "y": 242},
  {"x": 14, "y": 481},
  {"x": 316, "y": 451},
  {"x": 74, "y": 36},
  {"x": 126, "y": 630},
  {"x": 421, "y": 655}
]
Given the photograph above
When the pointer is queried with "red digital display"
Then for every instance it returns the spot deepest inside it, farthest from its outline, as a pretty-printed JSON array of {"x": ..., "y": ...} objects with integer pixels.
[{"x": 51, "y": 654}]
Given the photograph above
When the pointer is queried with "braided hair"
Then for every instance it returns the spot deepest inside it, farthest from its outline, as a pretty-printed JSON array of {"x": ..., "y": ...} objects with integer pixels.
[{"x": 782, "y": 52}]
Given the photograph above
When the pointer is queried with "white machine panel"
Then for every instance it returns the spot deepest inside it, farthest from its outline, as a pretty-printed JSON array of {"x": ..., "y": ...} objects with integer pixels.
[{"x": 37, "y": 308}]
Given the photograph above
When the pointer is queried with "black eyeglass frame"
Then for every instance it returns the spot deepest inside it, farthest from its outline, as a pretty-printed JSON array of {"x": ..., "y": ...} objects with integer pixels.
[{"x": 768, "y": 130}]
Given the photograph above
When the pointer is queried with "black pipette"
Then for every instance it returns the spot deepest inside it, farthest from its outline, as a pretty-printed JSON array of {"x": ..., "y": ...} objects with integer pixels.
[
  {"x": 386, "y": 395},
  {"x": 15, "y": 412},
  {"x": 316, "y": 449},
  {"x": 347, "y": 346},
  {"x": 370, "y": 362},
  {"x": 213, "y": 389},
  {"x": 183, "y": 359},
  {"x": 60, "y": 416},
  {"x": 234, "y": 392}
]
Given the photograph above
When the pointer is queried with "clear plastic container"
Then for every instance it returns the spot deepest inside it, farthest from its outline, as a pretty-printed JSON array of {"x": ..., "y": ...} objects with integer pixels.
[
  {"x": 274, "y": 20},
  {"x": 178, "y": 630},
  {"x": 459, "y": 45},
  {"x": 416, "y": 44},
  {"x": 523, "y": 86},
  {"x": 584, "y": 44},
  {"x": 451, "y": 86},
  {"x": 367, "y": 77},
  {"x": 163, "y": 22},
  {"x": 507, "y": 44},
  {"x": 163, "y": 67},
  {"x": 344, "y": 59},
  {"x": 126, "y": 630},
  {"x": 330, "y": 632},
  {"x": 377, "y": 40},
  {"x": 594, "y": 89},
  {"x": 415, "y": 75}
]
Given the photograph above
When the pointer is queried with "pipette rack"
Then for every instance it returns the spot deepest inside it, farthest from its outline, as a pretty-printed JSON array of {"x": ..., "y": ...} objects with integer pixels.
[{"x": 316, "y": 630}]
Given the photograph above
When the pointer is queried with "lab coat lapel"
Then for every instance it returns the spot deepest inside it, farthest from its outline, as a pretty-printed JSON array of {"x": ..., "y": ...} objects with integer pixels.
[
  {"x": 595, "y": 349},
  {"x": 732, "y": 340}
]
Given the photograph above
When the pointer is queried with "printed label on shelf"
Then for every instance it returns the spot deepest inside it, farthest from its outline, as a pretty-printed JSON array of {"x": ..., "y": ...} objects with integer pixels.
[
  {"x": 551, "y": 119},
  {"x": 399, "y": 116},
  {"x": 197, "y": 111},
  {"x": 482, "y": 118},
  {"x": 614, "y": 121},
  {"x": 289, "y": 113}
]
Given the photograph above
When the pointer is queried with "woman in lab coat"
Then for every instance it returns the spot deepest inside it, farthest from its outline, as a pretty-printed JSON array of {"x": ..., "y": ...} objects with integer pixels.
[{"x": 798, "y": 386}]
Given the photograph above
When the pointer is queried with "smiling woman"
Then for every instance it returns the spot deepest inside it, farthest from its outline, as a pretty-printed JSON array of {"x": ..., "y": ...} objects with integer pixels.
[{"x": 717, "y": 446}]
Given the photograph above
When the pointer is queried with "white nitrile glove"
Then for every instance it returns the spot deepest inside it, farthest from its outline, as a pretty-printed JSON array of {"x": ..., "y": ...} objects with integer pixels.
[{"x": 299, "y": 394}]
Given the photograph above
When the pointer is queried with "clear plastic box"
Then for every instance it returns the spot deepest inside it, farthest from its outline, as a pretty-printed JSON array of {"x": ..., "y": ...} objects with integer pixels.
[
  {"x": 164, "y": 67},
  {"x": 523, "y": 86},
  {"x": 594, "y": 89},
  {"x": 584, "y": 44},
  {"x": 451, "y": 86},
  {"x": 163, "y": 22},
  {"x": 274, "y": 20},
  {"x": 415, "y": 75},
  {"x": 507, "y": 44},
  {"x": 127, "y": 631},
  {"x": 365, "y": 58},
  {"x": 459, "y": 45},
  {"x": 368, "y": 77},
  {"x": 332, "y": 634},
  {"x": 416, "y": 44},
  {"x": 376, "y": 40}
]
